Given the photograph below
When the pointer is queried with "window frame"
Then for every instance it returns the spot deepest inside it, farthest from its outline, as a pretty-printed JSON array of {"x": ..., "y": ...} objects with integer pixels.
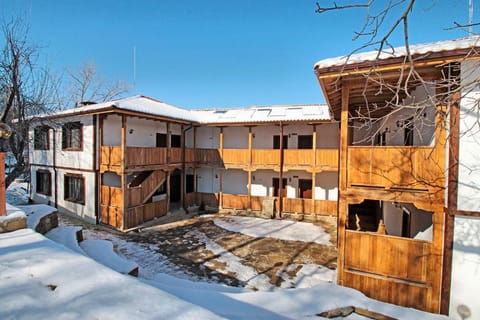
[
  {"x": 49, "y": 179},
  {"x": 67, "y": 129},
  {"x": 66, "y": 190},
  {"x": 38, "y": 144}
]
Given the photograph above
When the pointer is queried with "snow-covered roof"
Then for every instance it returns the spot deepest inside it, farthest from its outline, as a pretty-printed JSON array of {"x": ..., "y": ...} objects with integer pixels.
[
  {"x": 138, "y": 103},
  {"x": 257, "y": 114},
  {"x": 387, "y": 53}
]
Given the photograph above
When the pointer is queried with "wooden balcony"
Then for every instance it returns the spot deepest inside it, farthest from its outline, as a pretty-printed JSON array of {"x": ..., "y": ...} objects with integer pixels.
[
  {"x": 418, "y": 168},
  {"x": 265, "y": 158},
  {"x": 307, "y": 206},
  {"x": 235, "y": 157},
  {"x": 175, "y": 155},
  {"x": 208, "y": 156},
  {"x": 326, "y": 159},
  {"x": 405, "y": 272}
]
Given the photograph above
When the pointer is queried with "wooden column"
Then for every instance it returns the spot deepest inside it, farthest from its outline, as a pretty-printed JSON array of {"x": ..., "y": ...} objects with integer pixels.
[
  {"x": 195, "y": 163},
  {"x": 168, "y": 190},
  {"x": 314, "y": 166},
  {"x": 250, "y": 156},
  {"x": 123, "y": 176},
  {"x": 342, "y": 203},
  {"x": 220, "y": 193},
  {"x": 280, "y": 176},
  {"x": 182, "y": 173},
  {"x": 95, "y": 167},
  {"x": 452, "y": 205},
  {"x": 169, "y": 143},
  {"x": 101, "y": 119}
]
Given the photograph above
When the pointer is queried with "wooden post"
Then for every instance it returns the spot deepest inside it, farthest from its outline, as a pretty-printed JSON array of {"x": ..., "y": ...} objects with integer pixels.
[
  {"x": 220, "y": 193},
  {"x": 250, "y": 158},
  {"x": 123, "y": 174},
  {"x": 342, "y": 202},
  {"x": 182, "y": 174},
  {"x": 195, "y": 163},
  {"x": 168, "y": 190},
  {"x": 452, "y": 205},
  {"x": 3, "y": 200},
  {"x": 280, "y": 175},
  {"x": 169, "y": 143},
  {"x": 314, "y": 166}
]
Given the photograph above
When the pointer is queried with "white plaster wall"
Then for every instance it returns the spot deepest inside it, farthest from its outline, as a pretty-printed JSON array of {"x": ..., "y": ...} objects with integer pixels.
[
  {"x": 235, "y": 182},
  {"x": 465, "y": 288},
  {"x": 208, "y": 180},
  {"x": 40, "y": 156},
  {"x": 420, "y": 220},
  {"x": 262, "y": 183},
  {"x": 189, "y": 137},
  {"x": 264, "y": 136},
  {"x": 208, "y": 137},
  {"x": 424, "y": 122},
  {"x": 328, "y": 136},
  {"x": 469, "y": 155},
  {"x": 112, "y": 130},
  {"x": 76, "y": 159},
  {"x": 40, "y": 198},
  {"x": 326, "y": 185},
  {"x": 293, "y": 131},
  {"x": 235, "y": 138},
  {"x": 142, "y": 132},
  {"x": 292, "y": 181}
]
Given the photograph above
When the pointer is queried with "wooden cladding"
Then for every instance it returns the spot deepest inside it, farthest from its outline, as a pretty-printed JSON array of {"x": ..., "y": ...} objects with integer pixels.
[
  {"x": 389, "y": 268},
  {"x": 138, "y": 215},
  {"x": 111, "y": 196},
  {"x": 395, "y": 167}
]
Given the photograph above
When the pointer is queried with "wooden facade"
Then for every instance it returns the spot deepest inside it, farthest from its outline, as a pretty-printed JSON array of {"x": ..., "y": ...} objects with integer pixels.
[
  {"x": 131, "y": 203},
  {"x": 392, "y": 268}
]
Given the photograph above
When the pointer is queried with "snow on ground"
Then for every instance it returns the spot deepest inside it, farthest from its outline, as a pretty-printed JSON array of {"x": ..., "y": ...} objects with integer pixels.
[
  {"x": 40, "y": 279},
  {"x": 102, "y": 251},
  {"x": 279, "y": 229},
  {"x": 35, "y": 213},
  {"x": 43, "y": 280},
  {"x": 66, "y": 236}
]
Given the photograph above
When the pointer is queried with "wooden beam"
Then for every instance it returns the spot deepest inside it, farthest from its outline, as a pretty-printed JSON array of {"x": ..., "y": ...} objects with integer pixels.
[
  {"x": 123, "y": 177},
  {"x": 342, "y": 199},
  {"x": 250, "y": 156},
  {"x": 452, "y": 206}
]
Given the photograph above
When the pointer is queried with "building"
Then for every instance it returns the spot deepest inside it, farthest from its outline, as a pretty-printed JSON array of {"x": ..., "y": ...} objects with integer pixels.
[
  {"x": 407, "y": 170},
  {"x": 125, "y": 162},
  {"x": 393, "y": 156}
]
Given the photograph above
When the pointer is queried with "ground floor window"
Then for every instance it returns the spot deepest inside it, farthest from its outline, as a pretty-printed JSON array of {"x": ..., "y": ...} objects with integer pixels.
[
  {"x": 190, "y": 183},
  {"x": 44, "y": 183},
  {"x": 74, "y": 188}
]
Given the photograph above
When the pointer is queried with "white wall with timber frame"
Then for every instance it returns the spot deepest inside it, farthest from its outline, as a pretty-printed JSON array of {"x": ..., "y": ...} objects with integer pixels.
[{"x": 465, "y": 288}]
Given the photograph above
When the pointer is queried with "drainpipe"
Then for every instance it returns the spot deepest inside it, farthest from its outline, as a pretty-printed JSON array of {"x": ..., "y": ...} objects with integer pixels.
[{"x": 54, "y": 160}]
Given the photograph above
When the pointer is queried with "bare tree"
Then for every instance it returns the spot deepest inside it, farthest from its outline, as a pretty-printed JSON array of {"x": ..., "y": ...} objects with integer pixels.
[
  {"x": 384, "y": 98},
  {"x": 26, "y": 90},
  {"x": 86, "y": 85}
]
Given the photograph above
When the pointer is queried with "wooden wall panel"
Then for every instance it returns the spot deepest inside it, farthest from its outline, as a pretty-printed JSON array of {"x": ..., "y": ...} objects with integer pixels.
[
  {"x": 235, "y": 201},
  {"x": 396, "y": 257},
  {"x": 142, "y": 156}
]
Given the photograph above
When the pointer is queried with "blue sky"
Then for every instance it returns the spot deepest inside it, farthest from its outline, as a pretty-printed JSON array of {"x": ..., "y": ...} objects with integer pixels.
[{"x": 204, "y": 54}]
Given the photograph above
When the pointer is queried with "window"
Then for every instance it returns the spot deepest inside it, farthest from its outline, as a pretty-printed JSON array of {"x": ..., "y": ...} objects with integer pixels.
[
  {"x": 72, "y": 137},
  {"x": 305, "y": 142},
  {"x": 43, "y": 182},
  {"x": 161, "y": 141},
  {"x": 276, "y": 142},
  {"x": 41, "y": 138},
  {"x": 276, "y": 187},
  {"x": 381, "y": 139},
  {"x": 176, "y": 141},
  {"x": 74, "y": 188}
]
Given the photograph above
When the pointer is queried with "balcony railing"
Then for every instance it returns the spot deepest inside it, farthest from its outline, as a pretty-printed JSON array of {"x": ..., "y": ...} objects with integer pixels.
[
  {"x": 265, "y": 157},
  {"x": 395, "y": 167},
  {"x": 235, "y": 156}
]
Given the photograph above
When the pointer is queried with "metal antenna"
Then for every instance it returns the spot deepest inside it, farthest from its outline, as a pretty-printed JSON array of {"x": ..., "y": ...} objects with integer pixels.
[
  {"x": 470, "y": 17},
  {"x": 134, "y": 67}
]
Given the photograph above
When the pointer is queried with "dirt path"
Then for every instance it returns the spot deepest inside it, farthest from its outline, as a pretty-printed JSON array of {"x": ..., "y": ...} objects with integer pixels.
[{"x": 198, "y": 247}]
